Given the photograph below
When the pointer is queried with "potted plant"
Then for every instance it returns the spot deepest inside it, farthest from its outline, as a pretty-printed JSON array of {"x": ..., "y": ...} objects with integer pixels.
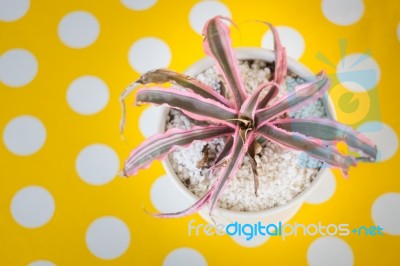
[{"x": 245, "y": 121}]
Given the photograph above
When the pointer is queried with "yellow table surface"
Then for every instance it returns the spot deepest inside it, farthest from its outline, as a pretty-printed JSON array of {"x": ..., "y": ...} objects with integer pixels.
[{"x": 61, "y": 202}]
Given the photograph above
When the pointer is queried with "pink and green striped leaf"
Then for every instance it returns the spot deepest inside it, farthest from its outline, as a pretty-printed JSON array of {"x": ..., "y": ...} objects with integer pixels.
[
  {"x": 303, "y": 95},
  {"x": 235, "y": 159},
  {"x": 217, "y": 44},
  {"x": 191, "y": 104},
  {"x": 311, "y": 146},
  {"x": 250, "y": 104},
  {"x": 161, "y": 76},
  {"x": 280, "y": 56},
  {"x": 331, "y": 131},
  {"x": 225, "y": 151},
  {"x": 272, "y": 93},
  {"x": 158, "y": 146}
]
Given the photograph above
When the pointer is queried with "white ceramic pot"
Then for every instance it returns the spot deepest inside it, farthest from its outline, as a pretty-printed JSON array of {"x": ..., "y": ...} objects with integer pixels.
[{"x": 274, "y": 215}]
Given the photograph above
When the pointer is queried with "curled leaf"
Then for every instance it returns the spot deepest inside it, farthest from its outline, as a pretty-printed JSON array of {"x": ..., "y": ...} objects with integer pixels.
[{"x": 160, "y": 76}]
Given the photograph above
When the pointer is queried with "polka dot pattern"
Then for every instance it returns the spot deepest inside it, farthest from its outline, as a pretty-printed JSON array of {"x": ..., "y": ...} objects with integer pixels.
[
  {"x": 343, "y": 12},
  {"x": 97, "y": 164},
  {"x": 12, "y": 10},
  {"x": 78, "y": 29},
  {"x": 108, "y": 238},
  {"x": 18, "y": 67},
  {"x": 383, "y": 136},
  {"x": 139, "y": 4},
  {"x": 329, "y": 251},
  {"x": 87, "y": 95},
  {"x": 205, "y": 10},
  {"x": 62, "y": 73},
  {"x": 32, "y": 206},
  {"x": 41, "y": 263},
  {"x": 385, "y": 213},
  {"x": 398, "y": 32},
  {"x": 166, "y": 197},
  {"x": 291, "y": 39},
  {"x": 149, "y": 53},
  {"x": 185, "y": 256},
  {"x": 24, "y": 135}
]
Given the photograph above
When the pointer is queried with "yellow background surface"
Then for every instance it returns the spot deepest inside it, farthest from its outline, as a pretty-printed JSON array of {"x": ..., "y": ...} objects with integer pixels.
[{"x": 77, "y": 204}]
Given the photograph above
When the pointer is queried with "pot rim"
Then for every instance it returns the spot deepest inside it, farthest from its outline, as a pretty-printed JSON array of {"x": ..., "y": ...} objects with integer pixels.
[{"x": 250, "y": 53}]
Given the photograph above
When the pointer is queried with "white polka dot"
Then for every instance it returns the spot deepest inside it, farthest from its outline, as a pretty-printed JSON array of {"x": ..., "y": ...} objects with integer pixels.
[
  {"x": 383, "y": 136},
  {"x": 325, "y": 189},
  {"x": 78, "y": 29},
  {"x": 87, "y": 95},
  {"x": 41, "y": 263},
  {"x": 256, "y": 241},
  {"x": 385, "y": 213},
  {"x": 166, "y": 197},
  {"x": 97, "y": 164},
  {"x": 329, "y": 251},
  {"x": 398, "y": 32},
  {"x": 291, "y": 39},
  {"x": 185, "y": 256},
  {"x": 138, "y": 4},
  {"x": 11, "y": 10},
  {"x": 24, "y": 135},
  {"x": 149, "y": 120},
  {"x": 343, "y": 12},
  {"x": 18, "y": 67},
  {"x": 32, "y": 207},
  {"x": 108, "y": 237},
  {"x": 149, "y": 53},
  {"x": 205, "y": 10},
  {"x": 358, "y": 72}
]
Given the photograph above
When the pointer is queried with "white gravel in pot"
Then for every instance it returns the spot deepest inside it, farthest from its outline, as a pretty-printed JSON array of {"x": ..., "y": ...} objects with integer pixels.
[{"x": 282, "y": 173}]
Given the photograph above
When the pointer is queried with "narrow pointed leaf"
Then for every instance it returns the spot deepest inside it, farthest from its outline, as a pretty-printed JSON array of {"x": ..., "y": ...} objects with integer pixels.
[
  {"x": 191, "y": 104},
  {"x": 272, "y": 93},
  {"x": 249, "y": 106},
  {"x": 217, "y": 44},
  {"x": 303, "y": 95},
  {"x": 158, "y": 146},
  {"x": 311, "y": 146},
  {"x": 239, "y": 150},
  {"x": 280, "y": 56},
  {"x": 330, "y": 130},
  {"x": 161, "y": 76},
  {"x": 225, "y": 151}
]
